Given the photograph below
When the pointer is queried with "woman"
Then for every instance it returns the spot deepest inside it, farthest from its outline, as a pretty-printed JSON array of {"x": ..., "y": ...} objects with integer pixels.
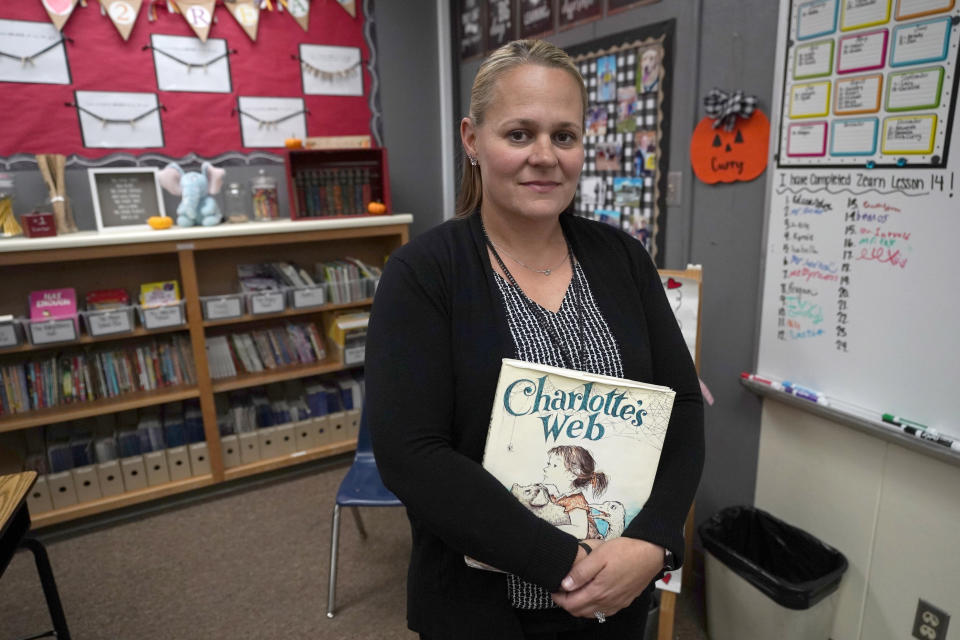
[{"x": 515, "y": 276}]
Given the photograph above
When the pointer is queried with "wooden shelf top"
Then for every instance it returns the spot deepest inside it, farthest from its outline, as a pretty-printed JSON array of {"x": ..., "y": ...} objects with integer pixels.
[
  {"x": 246, "y": 380},
  {"x": 96, "y": 407},
  {"x": 127, "y": 498},
  {"x": 288, "y": 460},
  {"x": 139, "y": 332},
  {"x": 178, "y": 234},
  {"x": 287, "y": 313}
]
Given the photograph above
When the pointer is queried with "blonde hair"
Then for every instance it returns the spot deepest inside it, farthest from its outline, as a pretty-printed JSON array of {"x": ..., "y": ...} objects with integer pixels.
[{"x": 507, "y": 57}]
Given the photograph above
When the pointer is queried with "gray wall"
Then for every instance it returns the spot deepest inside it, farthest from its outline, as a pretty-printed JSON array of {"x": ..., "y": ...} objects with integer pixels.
[
  {"x": 727, "y": 44},
  {"x": 410, "y": 99}
]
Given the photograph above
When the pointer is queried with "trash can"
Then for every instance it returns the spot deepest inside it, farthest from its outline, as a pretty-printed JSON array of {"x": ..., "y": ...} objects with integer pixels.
[{"x": 767, "y": 579}]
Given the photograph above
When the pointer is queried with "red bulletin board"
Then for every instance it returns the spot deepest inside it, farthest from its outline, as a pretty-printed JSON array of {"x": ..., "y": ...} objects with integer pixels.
[{"x": 34, "y": 118}]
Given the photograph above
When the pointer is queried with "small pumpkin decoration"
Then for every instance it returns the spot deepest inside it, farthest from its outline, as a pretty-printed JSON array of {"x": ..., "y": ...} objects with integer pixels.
[
  {"x": 293, "y": 143},
  {"x": 160, "y": 222},
  {"x": 376, "y": 208}
]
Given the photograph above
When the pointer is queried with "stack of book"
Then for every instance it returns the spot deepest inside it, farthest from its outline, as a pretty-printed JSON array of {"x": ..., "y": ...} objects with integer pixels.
[
  {"x": 92, "y": 374},
  {"x": 264, "y": 349},
  {"x": 348, "y": 280},
  {"x": 271, "y": 276}
]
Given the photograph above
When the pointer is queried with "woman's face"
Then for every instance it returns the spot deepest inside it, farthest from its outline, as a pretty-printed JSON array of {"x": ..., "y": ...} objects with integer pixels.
[
  {"x": 530, "y": 145},
  {"x": 556, "y": 472}
]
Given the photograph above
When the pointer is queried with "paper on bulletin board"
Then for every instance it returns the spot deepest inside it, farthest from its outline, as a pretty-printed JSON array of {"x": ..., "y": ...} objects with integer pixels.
[
  {"x": 267, "y": 122},
  {"x": 683, "y": 294},
  {"x": 116, "y": 120},
  {"x": 331, "y": 71},
  {"x": 188, "y": 64},
  {"x": 34, "y": 52}
]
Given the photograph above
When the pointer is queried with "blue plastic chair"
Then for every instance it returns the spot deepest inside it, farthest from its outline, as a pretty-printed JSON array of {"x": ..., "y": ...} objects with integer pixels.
[{"x": 361, "y": 487}]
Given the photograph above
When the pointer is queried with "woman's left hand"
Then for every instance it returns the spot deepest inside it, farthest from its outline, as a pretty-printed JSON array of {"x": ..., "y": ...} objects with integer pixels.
[{"x": 610, "y": 578}]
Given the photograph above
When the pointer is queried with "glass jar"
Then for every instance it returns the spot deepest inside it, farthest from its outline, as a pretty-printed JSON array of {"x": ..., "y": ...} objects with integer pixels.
[
  {"x": 236, "y": 202},
  {"x": 265, "y": 199}
]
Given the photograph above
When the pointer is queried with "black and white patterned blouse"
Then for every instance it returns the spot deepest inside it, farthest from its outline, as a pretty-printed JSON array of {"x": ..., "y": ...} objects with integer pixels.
[{"x": 587, "y": 340}]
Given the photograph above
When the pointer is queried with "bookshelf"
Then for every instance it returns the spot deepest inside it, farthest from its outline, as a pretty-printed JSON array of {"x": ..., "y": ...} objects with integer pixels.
[{"x": 204, "y": 261}]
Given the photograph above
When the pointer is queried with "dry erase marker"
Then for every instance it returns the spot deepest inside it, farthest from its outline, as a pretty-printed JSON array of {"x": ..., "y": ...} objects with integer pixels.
[
  {"x": 805, "y": 393},
  {"x": 930, "y": 436},
  {"x": 897, "y": 420},
  {"x": 755, "y": 378}
]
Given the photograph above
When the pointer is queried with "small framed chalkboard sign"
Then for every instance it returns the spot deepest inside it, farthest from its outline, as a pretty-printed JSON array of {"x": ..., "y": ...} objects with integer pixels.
[{"x": 124, "y": 197}]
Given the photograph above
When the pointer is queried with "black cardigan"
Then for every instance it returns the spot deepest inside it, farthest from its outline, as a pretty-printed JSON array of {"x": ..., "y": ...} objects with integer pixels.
[{"x": 437, "y": 333}]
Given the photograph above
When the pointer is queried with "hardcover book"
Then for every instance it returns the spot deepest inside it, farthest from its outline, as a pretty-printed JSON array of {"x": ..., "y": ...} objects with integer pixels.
[
  {"x": 578, "y": 449},
  {"x": 53, "y": 303}
]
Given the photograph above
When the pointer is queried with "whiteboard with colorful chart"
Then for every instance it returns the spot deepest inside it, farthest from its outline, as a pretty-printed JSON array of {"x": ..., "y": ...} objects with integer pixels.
[{"x": 860, "y": 290}]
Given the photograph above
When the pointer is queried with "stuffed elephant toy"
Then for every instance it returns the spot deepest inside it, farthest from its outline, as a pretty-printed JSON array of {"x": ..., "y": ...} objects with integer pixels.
[{"x": 197, "y": 204}]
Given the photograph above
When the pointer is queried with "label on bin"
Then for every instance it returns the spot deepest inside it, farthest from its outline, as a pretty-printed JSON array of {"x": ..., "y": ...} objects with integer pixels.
[
  {"x": 53, "y": 331},
  {"x": 8, "y": 335},
  {"x": 157, "y": 317},
  {"x": 303, "y": 298},
  {"x": 102, "y": 324},
  {"x": 267, "y": 302},
  {"x": 221, "y": 308}
]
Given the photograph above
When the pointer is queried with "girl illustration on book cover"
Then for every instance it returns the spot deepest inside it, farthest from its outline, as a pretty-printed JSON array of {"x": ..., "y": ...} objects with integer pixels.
[{"x": 570, "y": 469}]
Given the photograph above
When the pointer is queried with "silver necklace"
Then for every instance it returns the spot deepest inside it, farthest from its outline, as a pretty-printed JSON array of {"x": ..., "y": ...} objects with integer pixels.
[{"x": 545, "y": 272}]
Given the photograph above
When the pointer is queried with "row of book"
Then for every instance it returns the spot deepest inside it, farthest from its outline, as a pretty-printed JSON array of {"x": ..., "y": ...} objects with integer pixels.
[
  {"x": 346, "y": 280},
  {"x": 332, "y": 192},
  {"x": 92, "y": 374},
  {"x": 263, "y": 349}
]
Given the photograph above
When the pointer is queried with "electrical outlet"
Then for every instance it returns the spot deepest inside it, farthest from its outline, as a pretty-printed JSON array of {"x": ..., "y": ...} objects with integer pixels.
[{"x": 930, "y": 622}]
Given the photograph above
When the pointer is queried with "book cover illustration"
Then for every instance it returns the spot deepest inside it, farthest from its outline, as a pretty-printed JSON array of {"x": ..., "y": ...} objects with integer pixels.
[
  {"x": 578, "y": 449},
  {"x": 53, "y": 303}
]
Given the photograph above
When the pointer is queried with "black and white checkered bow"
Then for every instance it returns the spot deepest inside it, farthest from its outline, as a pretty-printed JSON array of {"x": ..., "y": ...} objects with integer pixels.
[{"x": 725, "y": 108}]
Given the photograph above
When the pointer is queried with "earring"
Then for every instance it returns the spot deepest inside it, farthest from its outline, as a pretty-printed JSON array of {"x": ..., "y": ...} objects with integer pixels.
[{"x": 473, "y": 161}]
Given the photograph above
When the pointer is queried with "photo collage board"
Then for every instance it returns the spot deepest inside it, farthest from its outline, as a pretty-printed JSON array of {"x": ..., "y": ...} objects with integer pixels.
[
  {"x": 869, "y": 83},
  {"x": 625, "y": 137}
]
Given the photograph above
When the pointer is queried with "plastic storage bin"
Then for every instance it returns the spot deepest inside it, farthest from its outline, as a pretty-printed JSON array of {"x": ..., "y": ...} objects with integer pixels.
[{"x": 767, "y": 579}]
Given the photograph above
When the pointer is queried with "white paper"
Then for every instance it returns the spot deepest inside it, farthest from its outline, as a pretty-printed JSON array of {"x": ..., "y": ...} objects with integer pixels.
[
  {"x": 862, "y": 52},
  {"x": 131, "y": 133},
  {"x": 858, "y": 95},
  {"x": 807, "y": 139},
  {"x": 809, "y": 100},
  {"x": 925, "y": 41},
  {"x": 671, "y": 581},
  {"x": 683, "y": 294},
  {"x": 101, "y": 323},
  {"x": 854, "y": 137},
  {"x": 49, "y": 331},
  {"x": 25, "y": 39},
  {"x": 319, "y": 60},
  {"x": 267, "y": 302},
  {"x": 176, "y": 76},
  {"x": 159, "y": 317},
  {"x": 814, "y": 59},
  {"x": 909, "y": 134},
  {"x": 862, "y": 13},
  {"x": 816, "y": 19},
  {"x": 267, "y": 122},
  {"x": 8, "y": 335},
  {"x": 219, "y": 308},
  {"x": 916, "y": 8},
  {"x": 303, "y": 298},
  {"x": 915, "y": 89}
]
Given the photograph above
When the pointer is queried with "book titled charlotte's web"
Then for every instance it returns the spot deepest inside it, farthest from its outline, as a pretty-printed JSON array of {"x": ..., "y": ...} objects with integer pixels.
[{"x": 578, "y": 449}]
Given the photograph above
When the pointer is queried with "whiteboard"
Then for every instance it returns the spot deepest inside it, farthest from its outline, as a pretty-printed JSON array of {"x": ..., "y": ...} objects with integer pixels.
[{"x": 860, "y": 296}]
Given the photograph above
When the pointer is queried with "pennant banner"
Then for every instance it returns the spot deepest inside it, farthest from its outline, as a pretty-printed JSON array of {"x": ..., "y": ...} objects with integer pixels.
[
  {"x": 199, "y": 15},
  {"x": 300, "y": 10},
  {"x": 59, "y": 11},
  {"x": 247, "y": 14},
  {"x": 350, "y": 6},
  {"x": 123, "y": 14}
]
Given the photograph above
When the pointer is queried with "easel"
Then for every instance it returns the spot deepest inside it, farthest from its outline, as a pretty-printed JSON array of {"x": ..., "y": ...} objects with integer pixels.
[{"x": 668, "y": 599}]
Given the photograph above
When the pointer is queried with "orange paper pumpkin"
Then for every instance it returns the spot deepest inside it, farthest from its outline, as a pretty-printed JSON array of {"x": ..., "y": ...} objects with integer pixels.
[{"x": 719, "y": 155}]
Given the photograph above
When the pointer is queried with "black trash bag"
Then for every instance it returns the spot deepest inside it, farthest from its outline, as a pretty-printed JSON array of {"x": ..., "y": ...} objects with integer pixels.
[{"x": 787, "y": 564}]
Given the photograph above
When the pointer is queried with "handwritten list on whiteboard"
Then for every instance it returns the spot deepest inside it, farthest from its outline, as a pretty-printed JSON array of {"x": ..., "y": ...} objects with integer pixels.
[{"x": 859, "y": 294}]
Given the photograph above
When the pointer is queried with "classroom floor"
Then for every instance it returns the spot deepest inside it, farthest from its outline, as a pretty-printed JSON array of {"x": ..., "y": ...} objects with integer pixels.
[{"x": 250, "y": 562}]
